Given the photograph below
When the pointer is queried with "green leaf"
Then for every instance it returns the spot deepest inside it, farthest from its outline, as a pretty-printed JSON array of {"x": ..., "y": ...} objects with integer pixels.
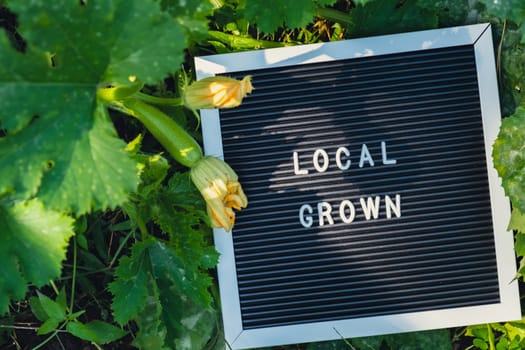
[
  {"x": 48, "y": 326},
  {"x": 390, "y": 16},
  {"x": 520, "y": 244},
  {"x": 521, "y": 268},
  {"x": 178, "y": 209},
  {"x": 61, "y": 299},
  {"x": 100, "y": 173},
  {"x": 503, "y": 344},
  {"x": 367, "y": 342},
  {"x": 184, "y": 221},
  {"x": 154, "y": 170},
  {"x": 513, "y": 69},
  {"x": 60, "y": 143},
  {"x": 124, "y": 35},
  {"x": 273, "y": 14},
  {"x": 434, "y": 339},
  {"x": 166, "y": 265},
  {"x": 361, "y": 2},
  {"x": 509, "y": 157},
  {"x": 517, "y": 221},
  {"x": 152, "y": 330},
  {"x": 480, "y": 343},
  {"x": 339, "y": 345},
  {"x": 513, "y": 10},
  {"x": 33, "y": 244},
  {"x": 191, "y": 14},
  {"x": 154, "y": 288},
  {"x": 506, "y": 9},
  {"x": 516, "y": 329},
  {"x": 198, "y": 324},
  {"x": 81, "y": 159},
  {"x": 95, "y": 331},
  {"x": 82, "y": 241},
  {"x": 130, "y": 286},
  {"x": 37, "y": 309},
  {"x": 52, "y": 308},
  {"x": 450, "y": 12}
]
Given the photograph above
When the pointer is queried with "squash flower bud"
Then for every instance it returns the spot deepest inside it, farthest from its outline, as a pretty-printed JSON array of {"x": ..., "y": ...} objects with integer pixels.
[
  {"x": 216, "y": 92},
  {"x": 220, "y": 188}
]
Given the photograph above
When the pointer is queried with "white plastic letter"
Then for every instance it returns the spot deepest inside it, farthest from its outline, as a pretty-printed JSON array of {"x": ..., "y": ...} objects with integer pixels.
[
  {"x": 386, "y": 161},
  {"x": 296, "y": 168},
  {"x": 365, "y": 156},
  {"x": 390, "y": 206},
  {"x": 317, "y": 166},
  {"x": 342, "y": 211},
  {"x": 306, "y": 220},
  {"x": 346, "y": 152},
  {"x": 325, "y": 212},
  {"x": 370, "y": 207}
]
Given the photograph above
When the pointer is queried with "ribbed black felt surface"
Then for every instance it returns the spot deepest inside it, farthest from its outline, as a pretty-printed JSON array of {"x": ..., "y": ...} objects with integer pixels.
[{"x": 439, "y": 253}]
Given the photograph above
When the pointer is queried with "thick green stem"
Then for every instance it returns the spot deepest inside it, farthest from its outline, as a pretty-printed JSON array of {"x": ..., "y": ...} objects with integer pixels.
[
  {"x": 162, "y": 101},
  {"x": 333, "y": 15},
  {"x": 239, "y": 42},
  {"x": 117, "y": 93}
]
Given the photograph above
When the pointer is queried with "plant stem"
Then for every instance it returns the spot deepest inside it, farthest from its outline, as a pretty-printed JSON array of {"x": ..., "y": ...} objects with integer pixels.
[
  {"x": 121, "y": 246},
  {"x": 47, "y": 340},
  {"x": 239, "y": 42},
  {"x": 334, "y": 15},
  {"x": 117, "y": 93},
  {"x": 73, "y": 281},
  {"x": 163, "y": 101},
  {"x": 142, "y": 228},
  {"x": 53, "y": 285},
  {"x": 500, "y": 48}
]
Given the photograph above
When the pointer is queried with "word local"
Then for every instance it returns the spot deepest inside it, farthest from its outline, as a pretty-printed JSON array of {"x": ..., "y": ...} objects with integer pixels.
[
  {"x": 321, "y": 160},
  {"x": 346, "y": 211}
]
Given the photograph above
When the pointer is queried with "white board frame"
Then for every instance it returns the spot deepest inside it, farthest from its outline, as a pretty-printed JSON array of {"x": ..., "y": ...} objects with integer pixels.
[{"x": 478, "y": 35}]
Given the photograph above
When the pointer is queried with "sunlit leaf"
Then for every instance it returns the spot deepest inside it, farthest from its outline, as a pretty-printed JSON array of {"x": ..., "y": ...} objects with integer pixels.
[
  {"x": 33, "y": 244},
  {"x": 509, "y": 157}
]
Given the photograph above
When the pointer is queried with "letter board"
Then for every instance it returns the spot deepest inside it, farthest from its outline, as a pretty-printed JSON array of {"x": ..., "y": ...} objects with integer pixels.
[{"x": 373, "y": 204}]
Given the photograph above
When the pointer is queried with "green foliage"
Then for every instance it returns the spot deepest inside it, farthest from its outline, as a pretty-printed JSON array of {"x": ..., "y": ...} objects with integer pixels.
[
  {"x": 512, "y": 70},
  {"x": 60, "y": 144},
  {"x": 66, "y": 149},
  {"x": 163, "y": 285},
  {"x": 62, "y": 157},
  {"x": 507, "y": 336},
  {"x": 33, "y": 244},
  {"x": 192, "y": 15},
  {"x": 451, "y": 12},
  {"x": 436, "y": 340},
  {"x": 168, "y": 303},
  {"x": 509, "y": 157},
  {"x": 273, "y": 14},
  {"x": 95, "y": 331},
  {"x": 389, "y": 16},
  {"x": 513, "y": 10},
  {"x": 55, "y": 315}
]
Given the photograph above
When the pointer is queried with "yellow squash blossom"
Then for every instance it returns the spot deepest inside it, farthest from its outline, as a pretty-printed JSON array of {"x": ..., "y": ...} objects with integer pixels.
[
  {"x": 220, "y": 188},
  {"x": 217, "y": 92}
]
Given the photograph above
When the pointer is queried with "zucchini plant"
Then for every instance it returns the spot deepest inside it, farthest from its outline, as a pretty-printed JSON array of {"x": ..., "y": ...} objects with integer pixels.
[{"x": 104, "y": 213}]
